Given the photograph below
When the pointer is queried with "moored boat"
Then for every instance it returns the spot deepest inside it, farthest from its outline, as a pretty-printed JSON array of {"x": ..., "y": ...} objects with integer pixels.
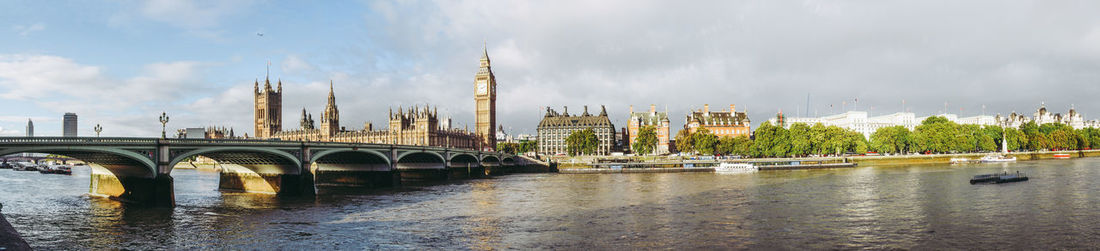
[
  {"x": 1061, "y": 155},
  {"x": 726, "y": 167},
  {"x": 998, "y": 178},
  {"x": 997, "y": 158}
]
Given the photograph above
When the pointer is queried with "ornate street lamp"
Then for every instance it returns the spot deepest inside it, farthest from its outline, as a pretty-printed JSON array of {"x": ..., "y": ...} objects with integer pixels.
[
  {"x": 97, "y": 129},
  {"x": 163, "y": 124}
]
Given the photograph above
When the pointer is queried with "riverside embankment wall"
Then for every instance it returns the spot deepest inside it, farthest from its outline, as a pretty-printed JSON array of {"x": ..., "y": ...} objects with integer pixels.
[
  {"x": 579, "y": 168},
  {"x": 946, "y": 158}
]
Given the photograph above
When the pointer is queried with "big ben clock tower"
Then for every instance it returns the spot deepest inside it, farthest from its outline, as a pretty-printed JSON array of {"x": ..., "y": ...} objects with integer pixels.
[{"x": 485, "y": 95}]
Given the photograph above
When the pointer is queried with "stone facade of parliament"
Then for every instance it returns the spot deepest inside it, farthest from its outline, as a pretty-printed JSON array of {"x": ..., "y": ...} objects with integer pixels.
[{"x": 418, "y": 126}]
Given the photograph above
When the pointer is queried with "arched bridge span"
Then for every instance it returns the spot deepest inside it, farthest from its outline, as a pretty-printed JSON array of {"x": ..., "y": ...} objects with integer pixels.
[{"x": 139, "y": 169}]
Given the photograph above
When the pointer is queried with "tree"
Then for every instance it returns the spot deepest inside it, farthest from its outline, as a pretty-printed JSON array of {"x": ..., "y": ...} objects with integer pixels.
[
  {"x": 582, "y": 142},
  {"x": 528, "y": 146},
  {"x": 817, "y": 139},
  {"x": 835, "y": 141},
  {"x": 1016, "y": 139},
  {"x": 770, "y": 141},
  {"x": 799, "y": 138},
  {"x": 1082, "y": 139},
  {"x": 684, "y": 143},
  {"x": 1033, "y": 135},
  {"x": 704, "y": 141},
  {"x": 934, "y": 119},
  {"x": 646, "y": 140},
  {"x": 855, "y": 142},
  {"x": 936, "y": 134},
  {"x": 1092, "y": 136},
  {"x": 509, "y": 148},
  {"x": 742, "y": 146},
  {"x": 894, "y": 139},
  {"x": 726, "y": 146},
  {"x": 1062, "y": 139}
]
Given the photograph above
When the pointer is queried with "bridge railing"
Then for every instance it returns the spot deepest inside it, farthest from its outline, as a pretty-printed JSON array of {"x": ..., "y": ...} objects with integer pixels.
[
  {"x": 74, "y": 140},
  {"x": 234, "y": 142}
]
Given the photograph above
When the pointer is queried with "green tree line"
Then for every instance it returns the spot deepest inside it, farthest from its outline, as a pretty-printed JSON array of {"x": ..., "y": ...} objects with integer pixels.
[
  {"x": 518, "y": 148},
  {"x": 775, "y": 141},
  {"x": 939, "y": 135}
]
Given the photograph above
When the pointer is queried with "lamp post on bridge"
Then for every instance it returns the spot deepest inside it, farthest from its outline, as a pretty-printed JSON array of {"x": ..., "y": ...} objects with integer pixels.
[
  {"x": 163, "y": 124},
  {"x": 97, "y": 129}
]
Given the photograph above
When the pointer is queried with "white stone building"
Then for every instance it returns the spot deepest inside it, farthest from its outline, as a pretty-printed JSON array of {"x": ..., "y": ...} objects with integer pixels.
[{"x": 856, "y": 121}]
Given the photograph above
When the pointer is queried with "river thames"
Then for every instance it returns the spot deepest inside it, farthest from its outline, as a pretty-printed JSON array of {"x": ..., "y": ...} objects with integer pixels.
[{"x": 906, "y": 207}]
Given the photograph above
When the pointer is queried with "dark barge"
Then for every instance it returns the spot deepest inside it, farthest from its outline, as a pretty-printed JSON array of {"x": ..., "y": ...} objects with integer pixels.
[{"x": 998, "y": 178}]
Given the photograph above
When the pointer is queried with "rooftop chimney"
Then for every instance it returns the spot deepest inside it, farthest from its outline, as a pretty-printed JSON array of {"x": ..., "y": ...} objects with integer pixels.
[
  {"x": 733, "y": 110},
  {"x": 706, "y": 108}
]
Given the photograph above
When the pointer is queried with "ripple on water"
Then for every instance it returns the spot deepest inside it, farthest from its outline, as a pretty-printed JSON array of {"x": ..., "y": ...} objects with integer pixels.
[{"x": 902, "y": 207}]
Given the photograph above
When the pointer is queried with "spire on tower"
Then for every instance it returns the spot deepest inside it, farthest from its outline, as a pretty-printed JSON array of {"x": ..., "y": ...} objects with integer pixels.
[
  {"x": 331, "y": 95},
  {"x": 484, "y": 52}
]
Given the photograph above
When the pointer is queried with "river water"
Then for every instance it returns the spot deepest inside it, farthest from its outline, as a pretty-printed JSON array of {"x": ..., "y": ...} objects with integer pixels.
[{"x": 906, "y": 207}]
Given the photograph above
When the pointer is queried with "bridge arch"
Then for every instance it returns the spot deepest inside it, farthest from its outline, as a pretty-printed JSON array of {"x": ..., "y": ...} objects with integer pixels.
[
  {"x": 403, "y": 156},
  {"x": 353, "y": 167},
  {"x": 508, "y": 161},
  {"x": 117, "y": 173},
  {"x": 118, "y": 161},
  {"x": 463, "y": 158},
  {"x": 490, "y": 159},
  {"x": 265, "y": 160},
  {"x": 324, "y": 153},
  {"x": 254, "y": 169}
]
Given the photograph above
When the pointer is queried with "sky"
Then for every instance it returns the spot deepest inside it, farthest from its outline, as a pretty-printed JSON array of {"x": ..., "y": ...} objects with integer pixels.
[{"x": 121, "y": 63}]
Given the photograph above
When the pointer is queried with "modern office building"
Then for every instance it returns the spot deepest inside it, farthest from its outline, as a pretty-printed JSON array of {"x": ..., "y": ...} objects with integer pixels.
[
  {"x": 30, "y": 128},
  {"x": 69, "y": 127},
  {"x": 856, "y": 121}
]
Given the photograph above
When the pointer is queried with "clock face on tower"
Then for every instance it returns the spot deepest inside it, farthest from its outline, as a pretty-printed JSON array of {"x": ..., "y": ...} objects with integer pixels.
[{"x": 482, "y": 87}]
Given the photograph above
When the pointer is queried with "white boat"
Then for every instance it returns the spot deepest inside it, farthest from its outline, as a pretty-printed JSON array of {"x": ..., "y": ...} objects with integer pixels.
[
  {"x": 959, "y": 160},
  {"x": 725, "y": 167},
  {"x": 997, "y": 158}
]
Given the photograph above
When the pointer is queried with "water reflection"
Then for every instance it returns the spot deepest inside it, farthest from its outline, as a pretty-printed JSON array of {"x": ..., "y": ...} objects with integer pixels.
[{"x": 897, "y": 207}]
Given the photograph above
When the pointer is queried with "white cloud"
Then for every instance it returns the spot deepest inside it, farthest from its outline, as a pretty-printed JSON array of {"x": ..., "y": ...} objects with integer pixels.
[
  {"x": 25, "y": 30},
  {"x": 58, "y": 84},
  {"x": 294, "y": 64},
  {"x": 760, "y": 55}
]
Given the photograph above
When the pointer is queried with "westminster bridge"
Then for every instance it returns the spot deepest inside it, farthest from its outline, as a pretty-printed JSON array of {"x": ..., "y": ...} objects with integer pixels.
[{"x": 139, "y": 169}]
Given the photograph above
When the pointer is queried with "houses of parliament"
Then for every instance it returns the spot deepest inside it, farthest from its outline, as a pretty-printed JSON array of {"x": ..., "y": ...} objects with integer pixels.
[{"x": 418, "y": 126}]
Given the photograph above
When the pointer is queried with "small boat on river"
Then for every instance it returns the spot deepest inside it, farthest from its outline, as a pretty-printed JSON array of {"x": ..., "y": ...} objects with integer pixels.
[
  {"x": 996, "y": 158},
  {"x": 1061, "y": 155},
  {"x": 960, "y": 160},
  {"x": 998, "y": 178},
  {"x": 726, "y": 167}
]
